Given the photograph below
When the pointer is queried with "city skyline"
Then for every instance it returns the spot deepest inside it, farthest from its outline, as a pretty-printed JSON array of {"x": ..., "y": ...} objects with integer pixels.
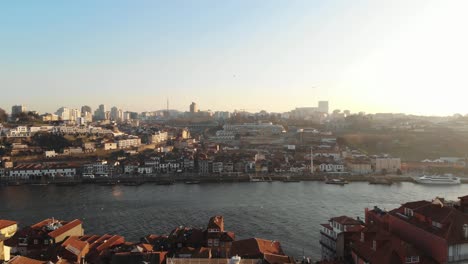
[{"x": 369, "y": 56}]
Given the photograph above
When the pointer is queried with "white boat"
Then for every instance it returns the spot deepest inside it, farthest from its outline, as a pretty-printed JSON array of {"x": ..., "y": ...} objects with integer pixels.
[{"x": 446, "y": 179}]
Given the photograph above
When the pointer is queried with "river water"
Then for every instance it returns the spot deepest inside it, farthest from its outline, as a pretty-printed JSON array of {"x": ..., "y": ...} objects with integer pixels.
[{"x": 288, "y": 212}]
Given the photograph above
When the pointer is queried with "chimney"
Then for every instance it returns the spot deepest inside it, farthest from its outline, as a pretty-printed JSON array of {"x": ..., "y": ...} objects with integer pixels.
[{"x": 465, "y": 231}]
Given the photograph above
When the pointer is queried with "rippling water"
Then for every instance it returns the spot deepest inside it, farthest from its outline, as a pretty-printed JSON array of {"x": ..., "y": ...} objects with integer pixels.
[{"x": 288, "y": 212}]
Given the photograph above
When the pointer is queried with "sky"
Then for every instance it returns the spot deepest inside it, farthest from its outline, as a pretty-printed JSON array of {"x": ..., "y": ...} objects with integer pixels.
[{"x": 274, "y": 55}]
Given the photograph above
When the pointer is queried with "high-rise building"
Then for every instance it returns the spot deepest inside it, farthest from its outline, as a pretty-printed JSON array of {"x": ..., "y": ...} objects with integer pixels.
[
  {"x": 323, "y": 106},
  {"x": 17, "y": 109},
  {"x": 100, "y": 113},
  {"x": 74, "y": 114},
  {"x": 116, "y": 114},
  {"x": 63, "y": 113},
  {"x": 193, "y": 107},
  {"x": 84, "y": 109}
]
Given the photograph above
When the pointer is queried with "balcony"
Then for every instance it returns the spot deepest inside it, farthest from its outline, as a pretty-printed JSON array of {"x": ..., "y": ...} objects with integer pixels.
[{"x": 328, "y": 246}]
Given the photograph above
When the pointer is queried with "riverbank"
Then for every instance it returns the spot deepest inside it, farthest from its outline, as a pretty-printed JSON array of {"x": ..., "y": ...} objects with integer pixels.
[{"x": 167, "y": 179}]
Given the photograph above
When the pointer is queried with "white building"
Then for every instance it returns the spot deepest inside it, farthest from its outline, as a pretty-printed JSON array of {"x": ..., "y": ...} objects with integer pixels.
[
  {"x": 159, "y": 137},
  {"x": 63, "y": 113},
  {"x": 128, "y": 143},
  {"x": 29, "y": 171},
  {"x": 110, "y": 146},
  {"x": 145, "y": 170},
  {"x": 331, "y": 167}
]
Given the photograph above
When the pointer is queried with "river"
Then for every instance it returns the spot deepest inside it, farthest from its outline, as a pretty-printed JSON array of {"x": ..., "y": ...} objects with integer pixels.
[{"x": 288, "y": 212}]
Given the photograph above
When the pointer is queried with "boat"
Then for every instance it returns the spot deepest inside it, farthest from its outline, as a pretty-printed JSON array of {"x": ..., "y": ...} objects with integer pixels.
[
  {"x": 40, "y": 184},
  {"x": 192, "y": 182},
  {"x": 165, "y": 182},
  {"x": 445, "y": 179},
  {"x": 133, "y": 183},
  {"x": 336, "y": 181},
  {"x": 69, "y": 183}
]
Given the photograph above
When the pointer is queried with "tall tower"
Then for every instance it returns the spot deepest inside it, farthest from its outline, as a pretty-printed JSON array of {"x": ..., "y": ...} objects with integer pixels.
[
  {"x": 323, "y": 106},
  {"x": 193, "y": 108}
]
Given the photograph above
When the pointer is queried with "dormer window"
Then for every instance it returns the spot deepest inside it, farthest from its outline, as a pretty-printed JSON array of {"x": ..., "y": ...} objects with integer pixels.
[{"x": 408, "y": 212}]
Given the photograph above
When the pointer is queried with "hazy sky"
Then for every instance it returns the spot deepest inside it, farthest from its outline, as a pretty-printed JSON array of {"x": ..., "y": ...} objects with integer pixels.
[{"x": 373, "y": 56}]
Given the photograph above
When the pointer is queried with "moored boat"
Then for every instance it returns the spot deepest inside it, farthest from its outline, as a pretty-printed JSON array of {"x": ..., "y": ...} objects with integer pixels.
[
  {"x": 336, "y": 181},
  {"x": 192, "y": 182}
]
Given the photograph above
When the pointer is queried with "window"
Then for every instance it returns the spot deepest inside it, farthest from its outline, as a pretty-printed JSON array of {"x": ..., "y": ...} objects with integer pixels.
[
  {"x": 46, "y": 242},
  {"x": 216, "y": 242},
  {"x": 36, "y": 242},
  {"x": 412, "y": 259},
  {"x": 210, "y": 242},
  {"x": 374, "y": 245}
]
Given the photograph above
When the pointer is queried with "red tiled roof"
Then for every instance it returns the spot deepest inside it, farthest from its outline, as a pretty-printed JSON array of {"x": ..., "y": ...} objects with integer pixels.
[
  {"x": 278, "y": 259},
  {"x": 345, "y": 220},
  {"x": 25, "y": 260},
  {"x": 451, "y": 220},
  {"x": 68, "y": 226},
  {"x": 416, "y": 204},
  {"x": 74, "y": 242},
  {"x": 146, "y": 247},
  {"x": 6, "y": 223},
  {"x": 114, "y": 240},
  {"x": 253, "y": 247}
]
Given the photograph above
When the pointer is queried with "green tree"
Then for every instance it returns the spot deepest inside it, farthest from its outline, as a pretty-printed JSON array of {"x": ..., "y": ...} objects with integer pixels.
[{"x": 50, "y": 141}]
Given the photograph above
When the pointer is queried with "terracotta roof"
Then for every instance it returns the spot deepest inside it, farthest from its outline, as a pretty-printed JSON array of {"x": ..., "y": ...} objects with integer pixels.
[
  {"x": 68, "y": 226},
  {"x": 451, "y": 220},
  {"x": 416, "y": 204},
  {"x": 6, "y": 223},
  {"x": 74, "y": 245},
  {"x": 25, "y": 260},
  {"x": 146, "y": 247},
  {"x": 254, "y": 247},
  {"x": 278, "y": 259},
  {"x": 114, "y": 240},
  {"x": 345, "y": 220}
]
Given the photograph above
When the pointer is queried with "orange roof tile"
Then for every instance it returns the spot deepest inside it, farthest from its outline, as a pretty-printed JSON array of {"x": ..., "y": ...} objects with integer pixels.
[
  {"x": 25, "y": 260},
  {"x": 68, "y": 226},
  {"x": 6, "y": 223}
]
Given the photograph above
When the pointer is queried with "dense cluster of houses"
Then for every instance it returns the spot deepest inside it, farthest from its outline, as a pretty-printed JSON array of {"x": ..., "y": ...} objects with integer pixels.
[
  {"x": 65, "y": 242},
  {"x": 423, "y": 232}
]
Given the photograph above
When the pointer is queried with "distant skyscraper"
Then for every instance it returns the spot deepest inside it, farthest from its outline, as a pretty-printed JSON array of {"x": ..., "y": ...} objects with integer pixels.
[
  {"x": 63, "y": 113},
  {"x": 17, "y": 109},
  {"x": 100, "y": 113},
  {"x": 193, "y": 108},
  {"x": 74, "y": 114},
  {"x": 85, "y": 109},
  {"x": 116, "y": 114},
  {"x": 323, "y": 106}
]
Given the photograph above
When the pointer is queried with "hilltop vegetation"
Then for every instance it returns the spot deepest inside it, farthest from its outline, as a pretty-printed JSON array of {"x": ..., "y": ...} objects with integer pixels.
[{"x": 409, "y": 145}]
